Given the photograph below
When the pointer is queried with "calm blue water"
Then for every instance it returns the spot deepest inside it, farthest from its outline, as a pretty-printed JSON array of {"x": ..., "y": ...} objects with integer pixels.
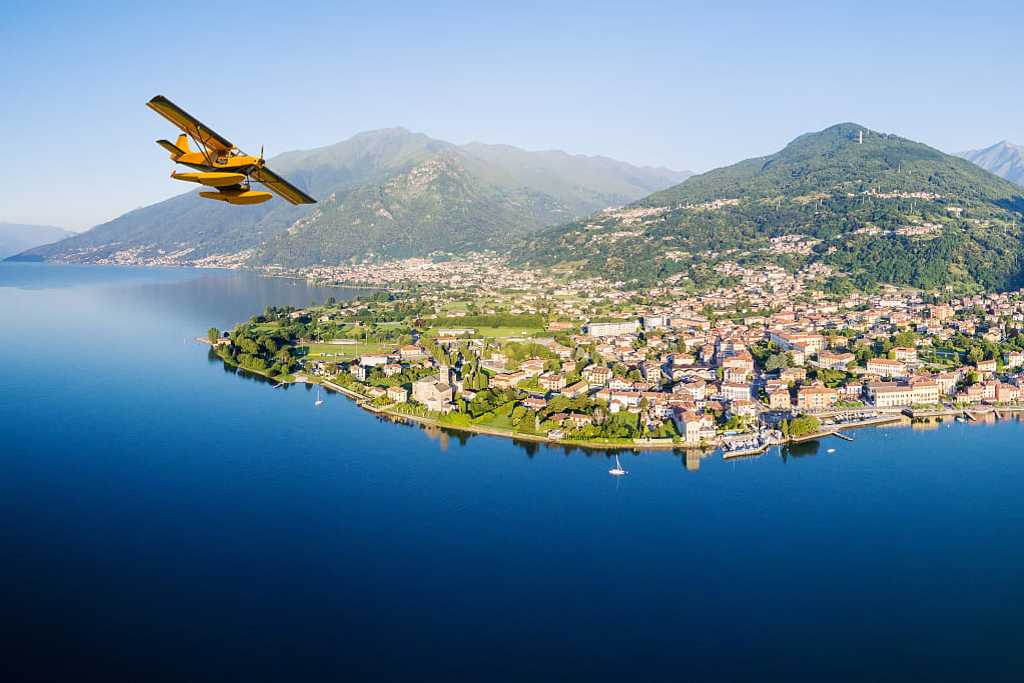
[{"x": 161, "y": 518}]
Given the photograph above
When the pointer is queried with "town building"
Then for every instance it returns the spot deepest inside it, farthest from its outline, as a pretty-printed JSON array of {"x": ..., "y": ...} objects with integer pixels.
[
  {"x": 897, "y": 394},
  {"x": 733, "y": 391},
  {"x": 613, "y": 329},
  {"x": 835, "y": 361},
  {"x": 816, "y": 397},
  {"x": 552, "y": 381},
  {"x": 398, "y": 394},
  {"x": 986, "y": 366},
  {"x": 435, "y": 395},
  {"x": 372, "y": 360},
  {"x": 411, "y": 353},
  {"x": 885, "y": 367},
  {"x": 780, "y": 400},
  {"x": 507, "y": 380},
  {"x": 904, "y": 354},
  {"x": 693, "y": 427},
  {"x": 575, "y": 390},
  {"x": 597, "y": 375},
  {"x": 809, "y": 343}
]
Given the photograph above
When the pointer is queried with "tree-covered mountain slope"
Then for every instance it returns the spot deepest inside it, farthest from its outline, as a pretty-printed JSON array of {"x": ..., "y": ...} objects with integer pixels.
[
  {"x": 383, "y": 193},
  {"x": 877, "y": 207},
  {"x": 1005, "y": 159}
]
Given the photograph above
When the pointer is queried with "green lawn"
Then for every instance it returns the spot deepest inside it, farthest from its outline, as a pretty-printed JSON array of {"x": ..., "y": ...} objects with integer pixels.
[
  {"x": 340, "y": 352},
  {"x": 494, "y": 332},
  {"x": 501, "y": 418},
  {"x": 504, "y": 332}
]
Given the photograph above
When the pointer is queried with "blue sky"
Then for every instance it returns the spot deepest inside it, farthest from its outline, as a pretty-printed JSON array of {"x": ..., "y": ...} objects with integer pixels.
[{"x": 685, "y": 86}]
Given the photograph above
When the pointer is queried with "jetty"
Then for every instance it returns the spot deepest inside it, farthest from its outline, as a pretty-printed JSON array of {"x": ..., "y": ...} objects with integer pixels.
[
  {"x": 358, "y": 398},
  {"x": 741, "y": 452},
  {"x": 837, "y": 430},
  {"x": 750, "y": 444}
]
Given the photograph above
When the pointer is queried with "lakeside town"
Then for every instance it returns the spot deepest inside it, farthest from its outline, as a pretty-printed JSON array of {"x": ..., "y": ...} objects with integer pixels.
[{"x": 766, "y": 358}]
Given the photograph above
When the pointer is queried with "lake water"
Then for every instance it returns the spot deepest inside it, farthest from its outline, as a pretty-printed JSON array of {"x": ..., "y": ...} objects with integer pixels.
[{"x": 161, "y": 518}]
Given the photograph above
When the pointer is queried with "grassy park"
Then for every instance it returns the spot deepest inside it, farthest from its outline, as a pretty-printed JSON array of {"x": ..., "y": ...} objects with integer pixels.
[{"x": 345, "y": 352}]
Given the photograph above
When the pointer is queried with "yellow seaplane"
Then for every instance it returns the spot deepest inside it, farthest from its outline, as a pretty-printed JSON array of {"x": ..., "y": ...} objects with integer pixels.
[{"x": 219, "y": 164}]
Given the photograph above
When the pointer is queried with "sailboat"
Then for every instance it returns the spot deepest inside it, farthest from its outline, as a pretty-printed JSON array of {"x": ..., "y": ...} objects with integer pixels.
[
  {"x": 319, "y": 401},
  {"x": 617, "y": 471}
]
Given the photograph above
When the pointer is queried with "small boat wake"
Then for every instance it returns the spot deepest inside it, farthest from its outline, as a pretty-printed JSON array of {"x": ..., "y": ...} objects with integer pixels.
[{"x": 617, "y": 471}]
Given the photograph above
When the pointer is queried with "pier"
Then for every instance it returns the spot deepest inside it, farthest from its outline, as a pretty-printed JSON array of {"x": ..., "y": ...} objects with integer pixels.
[
  {"x": 741, "y": 452},
  {"x": 837, "y": 431}
]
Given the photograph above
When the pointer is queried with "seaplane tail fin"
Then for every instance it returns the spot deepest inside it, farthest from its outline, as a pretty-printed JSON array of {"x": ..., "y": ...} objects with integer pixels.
[{"x": 176, "y": 149}]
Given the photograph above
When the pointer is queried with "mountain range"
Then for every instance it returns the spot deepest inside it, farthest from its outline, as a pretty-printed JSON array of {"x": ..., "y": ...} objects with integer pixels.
[
  {"x": 869, "y": 207},
  {"x": 873, "y": 206},
  {"x": 17, "y": 237},
  {"x": 1005, "y": 159},
  {"x": 387, "y": 193}
]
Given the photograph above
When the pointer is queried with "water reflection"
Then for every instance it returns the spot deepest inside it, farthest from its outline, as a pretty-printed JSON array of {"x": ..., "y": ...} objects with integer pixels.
[
  {"x": 693, "y": 456},
  {"x": 438, "y": 435},
  {"x": 690, "y": 458},
  {"x": 800, "y": 450},
  {"x": 42, "y": 276},
  {"x": 217, "y": 296}
]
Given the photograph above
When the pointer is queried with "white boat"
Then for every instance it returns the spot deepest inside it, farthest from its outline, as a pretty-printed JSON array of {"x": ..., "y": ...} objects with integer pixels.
[
  {"x": 617, "y": 471},
  {"x": 831, "y": 450},
  {"x": 319, "y": 401}
]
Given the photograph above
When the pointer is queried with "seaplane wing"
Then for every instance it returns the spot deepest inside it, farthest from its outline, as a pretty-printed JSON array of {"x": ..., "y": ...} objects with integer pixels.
[
  {"x": 219, "y": 164},
  {"x": 280, "y": 186},
  {"x": 192, "y": 126}
]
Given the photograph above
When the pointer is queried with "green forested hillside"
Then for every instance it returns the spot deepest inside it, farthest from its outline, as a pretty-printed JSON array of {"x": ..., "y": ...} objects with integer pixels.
[
  {"x": 883, "y": 210},
  {"x": 436, "y": 206},
  {"x": 383, "y": 193}
]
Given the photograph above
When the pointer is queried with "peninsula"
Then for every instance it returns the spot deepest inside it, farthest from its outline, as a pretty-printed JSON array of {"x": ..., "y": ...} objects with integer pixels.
[
  {"x": 851, "y": 278},
  {"x": 475, "y": 344}
]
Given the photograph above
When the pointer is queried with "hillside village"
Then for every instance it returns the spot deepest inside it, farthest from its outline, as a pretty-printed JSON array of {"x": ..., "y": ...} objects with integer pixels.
[{"x": 766, "y": 359}]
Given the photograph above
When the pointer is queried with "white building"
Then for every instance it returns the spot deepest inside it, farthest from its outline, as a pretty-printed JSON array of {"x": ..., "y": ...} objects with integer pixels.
[{"x": 613, "y": 329}]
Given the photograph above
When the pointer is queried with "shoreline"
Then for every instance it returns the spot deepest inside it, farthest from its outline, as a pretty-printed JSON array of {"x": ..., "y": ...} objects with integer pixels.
[
  {"x": 905, "y": 416},
  {"x": 837, "y": 430},
  {"x": 363, "y": 402},
  {"x": 262, "y": 272},
  {"x": 652, "y": 445}
]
